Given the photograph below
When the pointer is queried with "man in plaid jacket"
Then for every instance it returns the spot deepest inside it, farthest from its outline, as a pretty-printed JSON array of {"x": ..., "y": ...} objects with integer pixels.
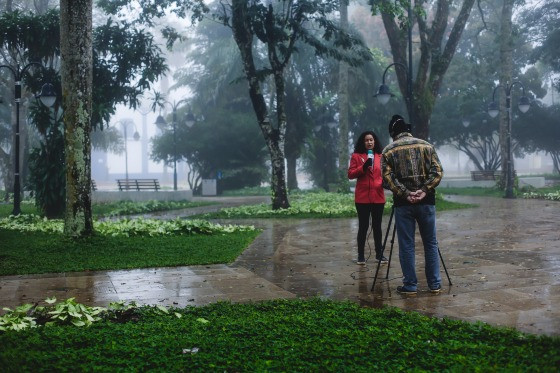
[{"x": 412, "y": 171}]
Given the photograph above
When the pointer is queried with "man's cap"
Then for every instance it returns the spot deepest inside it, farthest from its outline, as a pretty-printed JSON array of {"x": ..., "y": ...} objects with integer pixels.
[{"x": 397, "y": 125}]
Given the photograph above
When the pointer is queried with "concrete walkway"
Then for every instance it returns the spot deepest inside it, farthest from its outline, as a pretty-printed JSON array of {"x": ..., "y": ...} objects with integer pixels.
[{"x": 503, "y": 258}]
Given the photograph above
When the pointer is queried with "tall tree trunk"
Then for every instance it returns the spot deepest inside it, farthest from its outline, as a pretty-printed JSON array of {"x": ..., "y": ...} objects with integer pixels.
[
  {"x": 435, "y": 58},
  {"x": 556, "y": 162},
  {"x": 292, "y": 177},
  {"x": 277, "y": 156},
  {"x": 505, "y": 69},
  {"x": 76, "y": 74},
  {"x": 342, "y": 176},
  {"x": 273, "y": 136}
]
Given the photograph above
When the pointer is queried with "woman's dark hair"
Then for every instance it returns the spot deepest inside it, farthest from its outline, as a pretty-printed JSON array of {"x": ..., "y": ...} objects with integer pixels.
[{"x": 360, "y": 146}]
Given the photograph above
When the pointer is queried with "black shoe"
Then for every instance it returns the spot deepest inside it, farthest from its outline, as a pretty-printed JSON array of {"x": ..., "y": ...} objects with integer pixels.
[
  {"x": 404, "y": 290},
  {"x": 435, "y": 290},
  {"x": 383, "y": 259}
]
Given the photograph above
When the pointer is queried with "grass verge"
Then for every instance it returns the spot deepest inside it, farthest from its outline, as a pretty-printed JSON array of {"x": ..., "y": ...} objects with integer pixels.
[
  {"x": 472, "y": 191},
  {"x": 119, "y": 208},
  {"x": 282, "y": 335},
  {"x": 248, "y": 191},
  {"x": 122, "y": 208},
  {"x": 38, "y": 252},
  {"x": 26, "y": 208},
  {"x": 549, "y": 193}
]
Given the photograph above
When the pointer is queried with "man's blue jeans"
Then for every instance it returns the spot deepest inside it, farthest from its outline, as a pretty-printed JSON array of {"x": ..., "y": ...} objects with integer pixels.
[{"x": 406, "y": 218}]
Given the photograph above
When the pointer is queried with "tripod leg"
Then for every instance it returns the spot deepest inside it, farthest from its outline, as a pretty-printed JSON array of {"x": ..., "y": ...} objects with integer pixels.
[
  {"x": 384, "y": 245},
  {"x": 376, "y": 272},
  {"x": 444, "y": 267},
  {"x": 391, "y": 252}
]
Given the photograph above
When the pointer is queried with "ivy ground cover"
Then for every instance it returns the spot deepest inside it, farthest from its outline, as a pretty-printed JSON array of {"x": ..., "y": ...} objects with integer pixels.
[
  {"x": 315, "y": 205},
  {"x": 283, "y": 335}
]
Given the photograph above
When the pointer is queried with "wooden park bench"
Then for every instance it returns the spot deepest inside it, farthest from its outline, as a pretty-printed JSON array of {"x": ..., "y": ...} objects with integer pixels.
[
  {"x": 487, "y": 175},
  {"x": 138, "y": 184},
  {"x": 93, "y": 185}
]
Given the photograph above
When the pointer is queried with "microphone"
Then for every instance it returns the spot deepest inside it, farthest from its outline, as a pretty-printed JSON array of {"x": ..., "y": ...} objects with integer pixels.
[{"x": 370, "y": 155}]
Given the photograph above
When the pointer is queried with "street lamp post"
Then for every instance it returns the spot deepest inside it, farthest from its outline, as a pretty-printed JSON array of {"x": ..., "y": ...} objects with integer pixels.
[
  {"x": 493, "y": 111},
  {"x": 161, "y": 123},
  {"x": 135, "y": 136},
  {"x": 47, "y": 97}
]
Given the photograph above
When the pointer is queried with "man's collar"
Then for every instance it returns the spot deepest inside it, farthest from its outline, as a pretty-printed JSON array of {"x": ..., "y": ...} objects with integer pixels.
[{"x": 403, "y": 134}]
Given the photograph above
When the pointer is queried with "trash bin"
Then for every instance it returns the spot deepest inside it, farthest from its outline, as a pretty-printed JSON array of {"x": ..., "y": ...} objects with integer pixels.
[{"x": 209, "y": 187}]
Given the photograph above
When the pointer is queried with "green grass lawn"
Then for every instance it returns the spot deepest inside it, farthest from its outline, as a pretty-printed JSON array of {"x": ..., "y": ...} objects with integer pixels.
[
  {"x": 283, "y": 335},
  {"x": 38, "y": 252},
  {"x": 248, "y": 191},
  {"x": 26, "y": 208},
  {"x": 541, "y": 193},
  {"x": 472, "y": 191}
]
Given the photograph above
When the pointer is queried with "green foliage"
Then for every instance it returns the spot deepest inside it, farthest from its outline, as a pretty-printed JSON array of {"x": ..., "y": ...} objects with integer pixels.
[
  {"x": 38, "y": 252},
  {"x": 130, "y": 208},
  {"x": 70, "y": 312},
  {"x": 248, "y": 191},
  {"x": 126, "y": 61},
  {"x": 113, "y": 208},
  {"x": 31, "y": 223},
  {"x": 554, "y": 196},
  {"x": 227, "y": 141},
  {"x": 314, "y": 205},
  {"x": 17, "y": 319},
  {"x": 27, "y": 207},
  {"x": 124, "y": 227},
  {"x": 542, "y": 22},
  {"x": 469, "y": 86},
  {"x": 551, "y": 193},
  {"x": 154, "y": 227},
  {"x": 281, "y": 335},
  {"x": 305, "y": 205},
  {"x": 46, "y": 167}
]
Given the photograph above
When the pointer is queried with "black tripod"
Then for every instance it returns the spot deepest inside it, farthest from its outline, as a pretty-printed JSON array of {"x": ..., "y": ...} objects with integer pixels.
[{"x": 391, "y": 252}]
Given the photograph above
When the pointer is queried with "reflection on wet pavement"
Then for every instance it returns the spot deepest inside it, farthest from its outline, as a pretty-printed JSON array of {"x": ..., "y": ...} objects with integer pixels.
[{"x": 503, "y": 258}]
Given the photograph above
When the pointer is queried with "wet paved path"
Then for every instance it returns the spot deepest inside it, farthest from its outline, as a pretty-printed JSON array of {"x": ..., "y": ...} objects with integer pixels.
[{"x": 503, "y": 258}]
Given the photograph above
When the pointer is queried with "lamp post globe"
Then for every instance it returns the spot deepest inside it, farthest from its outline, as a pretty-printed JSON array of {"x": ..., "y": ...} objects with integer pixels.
[
  {"x": 493, "y": 109},
  {"x": 190, "y": 119},
  {"x": 524, "y": 104},
  {"x": 160, "y": 122},
  {"x": 383, "y": 94},
  {"x": 47, "y": 95}
]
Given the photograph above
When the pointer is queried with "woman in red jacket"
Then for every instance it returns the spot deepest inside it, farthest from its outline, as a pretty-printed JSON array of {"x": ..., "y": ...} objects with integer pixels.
[{"x": 369, "y": 195}]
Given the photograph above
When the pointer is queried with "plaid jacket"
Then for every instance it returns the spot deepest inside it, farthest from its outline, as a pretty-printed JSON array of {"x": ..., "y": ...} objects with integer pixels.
[{"x": 409, "y": 164}]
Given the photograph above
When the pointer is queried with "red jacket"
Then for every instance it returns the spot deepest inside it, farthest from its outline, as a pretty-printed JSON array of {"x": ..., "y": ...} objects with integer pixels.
[{"x": 368, "y": 185}]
